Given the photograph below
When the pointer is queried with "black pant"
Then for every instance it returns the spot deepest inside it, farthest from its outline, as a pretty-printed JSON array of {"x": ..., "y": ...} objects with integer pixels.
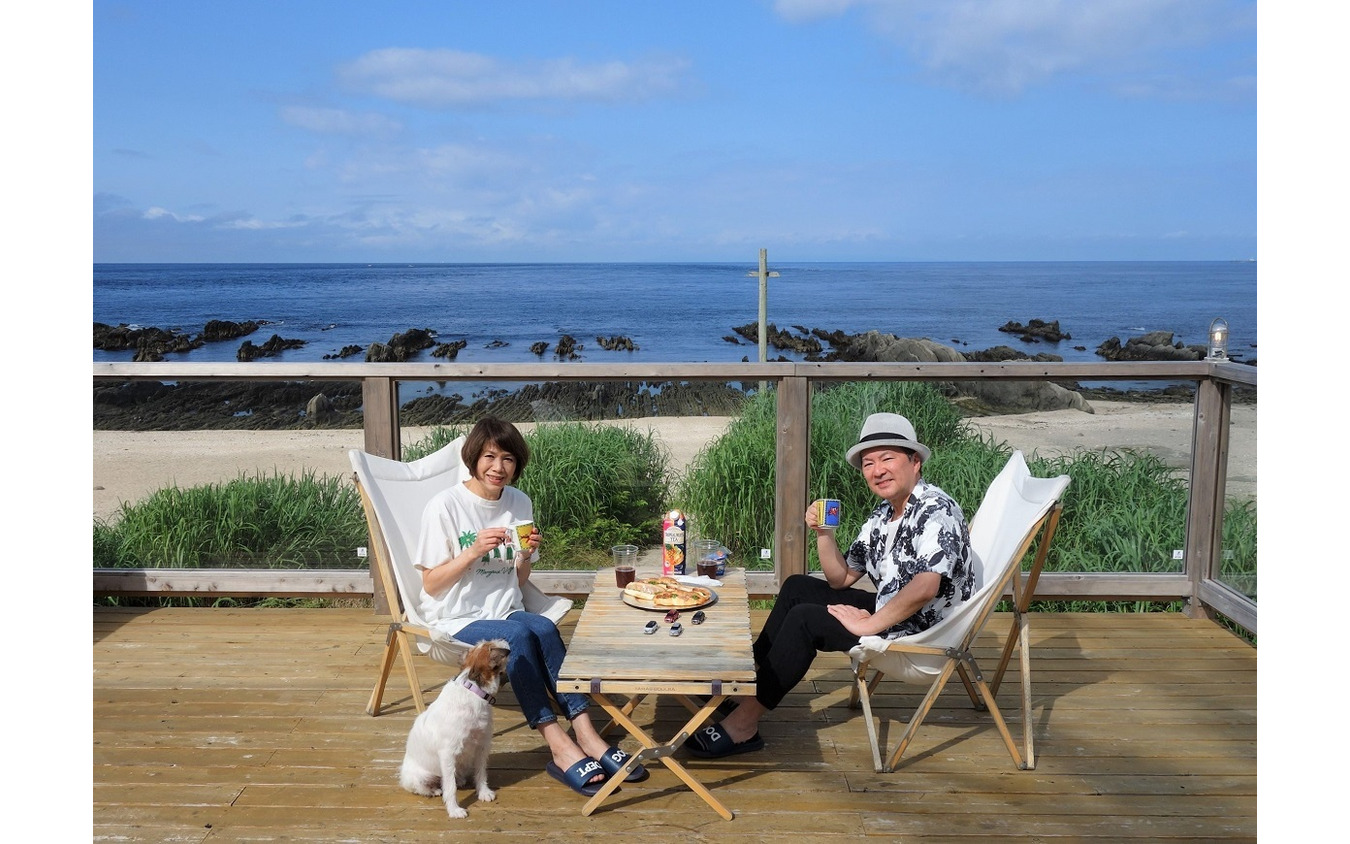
[{"x": 799, "y": 627}]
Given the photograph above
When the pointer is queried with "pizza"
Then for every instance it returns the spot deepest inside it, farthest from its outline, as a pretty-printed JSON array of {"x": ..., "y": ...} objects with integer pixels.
[{"x": 666, "y": 593}]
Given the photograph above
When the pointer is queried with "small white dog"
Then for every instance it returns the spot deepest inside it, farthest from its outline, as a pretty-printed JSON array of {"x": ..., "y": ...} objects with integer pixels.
[{"x": 453, "y": 737}]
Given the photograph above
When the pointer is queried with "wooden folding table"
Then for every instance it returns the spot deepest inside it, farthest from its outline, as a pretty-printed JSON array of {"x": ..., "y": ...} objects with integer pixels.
[{"x": 610, "y": 656}]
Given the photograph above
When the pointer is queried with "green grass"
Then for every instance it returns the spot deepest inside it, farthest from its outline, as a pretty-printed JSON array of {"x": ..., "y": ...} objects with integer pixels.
[{"x": 274, "y": 521}]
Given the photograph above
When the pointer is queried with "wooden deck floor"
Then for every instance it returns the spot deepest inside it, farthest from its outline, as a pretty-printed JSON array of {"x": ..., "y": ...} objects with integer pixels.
[{"x": 229, "y": 725}]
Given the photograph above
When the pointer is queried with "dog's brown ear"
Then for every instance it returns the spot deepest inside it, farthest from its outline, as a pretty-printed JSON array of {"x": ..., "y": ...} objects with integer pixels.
[
  {"x": 500, "y": 652},
  {"x": 468, "y": 659}
]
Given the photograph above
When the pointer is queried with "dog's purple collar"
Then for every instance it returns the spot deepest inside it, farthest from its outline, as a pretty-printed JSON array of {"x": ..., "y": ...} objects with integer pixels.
[{"x": 478, "y": 690}]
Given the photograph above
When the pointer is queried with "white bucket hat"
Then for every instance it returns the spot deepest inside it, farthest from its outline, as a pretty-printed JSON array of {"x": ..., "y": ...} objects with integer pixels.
[{"x": 886, "y": 429}]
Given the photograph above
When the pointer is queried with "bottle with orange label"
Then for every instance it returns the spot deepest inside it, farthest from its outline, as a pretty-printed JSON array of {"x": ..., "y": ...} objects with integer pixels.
[{"x": 673, "y": 543}]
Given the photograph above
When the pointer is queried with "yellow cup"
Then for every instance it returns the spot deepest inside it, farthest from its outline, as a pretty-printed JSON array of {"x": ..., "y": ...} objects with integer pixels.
[{"x": 523, "y": 531}]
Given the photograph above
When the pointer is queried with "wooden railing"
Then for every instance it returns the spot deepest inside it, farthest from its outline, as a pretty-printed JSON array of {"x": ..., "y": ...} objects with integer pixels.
[{"x": 1198, "y": 584}]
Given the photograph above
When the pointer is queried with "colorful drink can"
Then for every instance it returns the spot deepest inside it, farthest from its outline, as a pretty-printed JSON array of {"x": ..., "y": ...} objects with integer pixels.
[
  {"x": 828, "y": 511},
  {"x": 673, "y": 543}
]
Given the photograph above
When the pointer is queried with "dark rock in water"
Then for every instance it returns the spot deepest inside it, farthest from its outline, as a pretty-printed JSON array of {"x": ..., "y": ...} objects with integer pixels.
[
  {"x": 449, "y": 351},
  {"x": 402, "y": 347},
  {"x": 539, "y": 348},
  {"x": 834, "y": 338},
  {"x": 998, "y": 354},
  {"x": 1156, "y": 345},
  {"x": 221, "y": 329},
  {"x": 274, "y": 346},
  {"x": 875, "y": 346},
  {"x": 497, "y": 344},
  {"x": 780, "y": 339},
  {"x": 150, "y": 344},
  {"x": 1036, "y": 330},
  {"x": 567, "y": 348},
  {"x": 345, "y": 352},
  {"x": 617, "y": 343},
  {"x": 731, "y": 339}
]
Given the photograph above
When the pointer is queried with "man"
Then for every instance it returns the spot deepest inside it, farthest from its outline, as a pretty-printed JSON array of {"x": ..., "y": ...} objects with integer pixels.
[{"x": 915, "y": 547}]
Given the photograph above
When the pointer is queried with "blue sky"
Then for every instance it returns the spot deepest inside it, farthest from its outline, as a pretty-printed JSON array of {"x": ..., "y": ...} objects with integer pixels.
[{"x": 311, "y": 130}]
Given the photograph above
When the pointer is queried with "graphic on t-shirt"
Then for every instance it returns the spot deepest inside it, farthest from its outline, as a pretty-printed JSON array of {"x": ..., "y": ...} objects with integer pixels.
[{"x": 505, "y": 550}]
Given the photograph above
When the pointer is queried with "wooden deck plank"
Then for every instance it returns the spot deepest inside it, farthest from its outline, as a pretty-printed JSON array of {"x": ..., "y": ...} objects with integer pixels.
[{"x": 218, "y": 725}]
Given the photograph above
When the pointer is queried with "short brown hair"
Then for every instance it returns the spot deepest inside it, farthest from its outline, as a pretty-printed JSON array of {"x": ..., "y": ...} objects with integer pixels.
[{"x": 491, "y": 430}]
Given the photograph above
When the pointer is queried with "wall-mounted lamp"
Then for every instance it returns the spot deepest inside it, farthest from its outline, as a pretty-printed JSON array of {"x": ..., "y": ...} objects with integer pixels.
[{"x": 1218, "y": 340}]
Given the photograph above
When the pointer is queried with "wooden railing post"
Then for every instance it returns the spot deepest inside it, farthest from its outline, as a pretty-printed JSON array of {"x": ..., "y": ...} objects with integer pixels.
[
  {"x": 794, "y": 452},
  {"x": 1209, "y": 474},
  {"x": 379, "y": 399}
]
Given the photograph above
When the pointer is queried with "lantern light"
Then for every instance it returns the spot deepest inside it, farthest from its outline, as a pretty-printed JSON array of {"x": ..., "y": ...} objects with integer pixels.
[{"x": 1218, "y": 339}]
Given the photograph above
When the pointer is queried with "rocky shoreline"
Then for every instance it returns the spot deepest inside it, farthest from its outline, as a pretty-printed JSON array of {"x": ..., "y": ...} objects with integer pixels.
[{"x": 152, "y": 406}]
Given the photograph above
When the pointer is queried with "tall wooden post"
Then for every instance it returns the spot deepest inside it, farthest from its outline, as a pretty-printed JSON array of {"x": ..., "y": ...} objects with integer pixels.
[
  {"x": 794, "y": 456},
  {"x": 379, "y": 412},
  {"x": 1209, "y": 473}
]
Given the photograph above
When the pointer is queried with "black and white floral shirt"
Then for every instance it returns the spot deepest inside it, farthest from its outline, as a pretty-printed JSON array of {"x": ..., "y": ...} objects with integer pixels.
[{"x": 931, "y": 535}]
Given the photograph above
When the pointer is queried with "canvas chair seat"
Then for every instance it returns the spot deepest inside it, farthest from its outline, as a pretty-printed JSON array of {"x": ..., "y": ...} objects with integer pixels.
[
  {"x": 1015, "y": 509},
  {"x": 393, "y": 496}
]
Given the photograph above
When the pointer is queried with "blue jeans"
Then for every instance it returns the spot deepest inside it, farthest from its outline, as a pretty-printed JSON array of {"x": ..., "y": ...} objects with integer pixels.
[{"x": 537, "y": 652}]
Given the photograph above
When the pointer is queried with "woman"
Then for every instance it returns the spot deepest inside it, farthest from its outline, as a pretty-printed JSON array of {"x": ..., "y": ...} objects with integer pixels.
[{"x": 472, "y": 570}]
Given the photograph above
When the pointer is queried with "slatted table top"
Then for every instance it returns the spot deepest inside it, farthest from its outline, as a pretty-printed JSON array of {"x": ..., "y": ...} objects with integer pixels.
[{"x": 610, "y": 653}]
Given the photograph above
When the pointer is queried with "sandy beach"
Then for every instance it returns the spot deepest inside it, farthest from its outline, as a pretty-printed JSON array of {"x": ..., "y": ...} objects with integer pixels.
[{"x": 128, "y": 466}]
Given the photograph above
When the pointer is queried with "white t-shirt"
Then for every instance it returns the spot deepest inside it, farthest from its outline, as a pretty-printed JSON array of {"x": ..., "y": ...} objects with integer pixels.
[{"x": 489, "y": 589}]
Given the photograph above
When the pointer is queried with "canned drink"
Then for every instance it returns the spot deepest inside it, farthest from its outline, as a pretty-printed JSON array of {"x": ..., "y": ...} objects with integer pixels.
[
  {"x": 828, "y": 511},
  {"x": 673, "y": 543}
]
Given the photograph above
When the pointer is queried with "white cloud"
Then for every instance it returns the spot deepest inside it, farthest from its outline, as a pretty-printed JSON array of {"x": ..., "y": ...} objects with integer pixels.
[
  {"x": 1006, "y": 46},
  {"x": 450, "y": 78},
  {"x": 156, "y": 213},
  {"x": 336, "y": 121},
  {"x": 254, "y": 224}
]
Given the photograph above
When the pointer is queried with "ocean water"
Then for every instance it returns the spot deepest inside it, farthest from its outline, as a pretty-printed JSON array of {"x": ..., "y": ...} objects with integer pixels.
[{"x": 677, "y": 312}]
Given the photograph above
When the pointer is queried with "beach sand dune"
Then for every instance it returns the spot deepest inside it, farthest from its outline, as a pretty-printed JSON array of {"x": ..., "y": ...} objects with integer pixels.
[{"x": 128, "y": 466}]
